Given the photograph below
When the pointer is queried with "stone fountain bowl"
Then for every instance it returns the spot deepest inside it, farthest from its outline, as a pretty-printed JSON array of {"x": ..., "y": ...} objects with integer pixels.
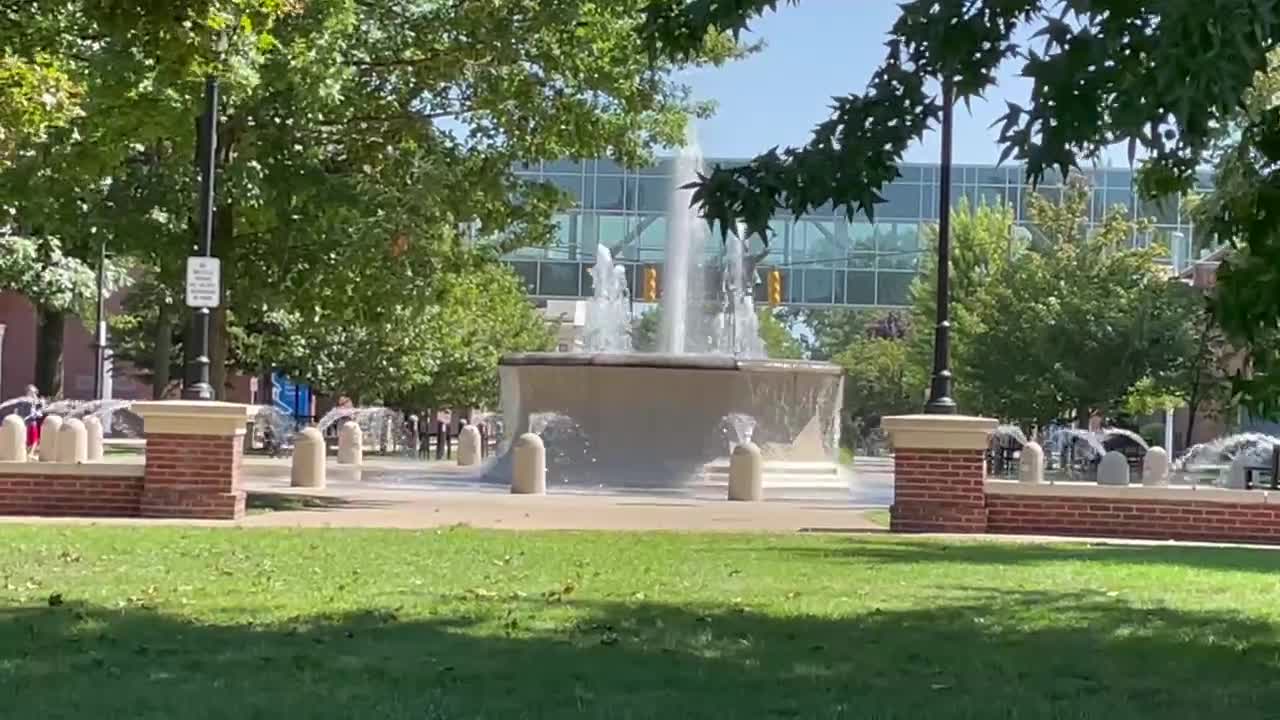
[{"x": 655, "y": 421}]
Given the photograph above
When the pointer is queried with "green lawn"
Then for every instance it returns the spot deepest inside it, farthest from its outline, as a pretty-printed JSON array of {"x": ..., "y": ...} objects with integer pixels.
[{"x": 104, "y": 623}]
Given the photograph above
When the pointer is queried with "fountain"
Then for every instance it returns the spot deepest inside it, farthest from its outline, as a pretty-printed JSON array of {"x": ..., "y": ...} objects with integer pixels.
[
  {"x": 117, "y": 419},
  {"x": 384, "y": 429},
  {"x": 610, "y": 417},
  {"x": 1214, "y": 455},
  {"x": 608, "y": 321}
]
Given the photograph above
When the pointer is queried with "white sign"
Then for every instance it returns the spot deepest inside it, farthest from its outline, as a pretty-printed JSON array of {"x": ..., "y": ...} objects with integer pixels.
[{"x": 204, "y": 282}]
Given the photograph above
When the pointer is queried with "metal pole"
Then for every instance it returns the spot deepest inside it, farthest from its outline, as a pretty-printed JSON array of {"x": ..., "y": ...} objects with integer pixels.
[
  {"x": 197, "y": 386},
  {"x": 940, "y": 402},
  {"x": 100, "y": 340}
]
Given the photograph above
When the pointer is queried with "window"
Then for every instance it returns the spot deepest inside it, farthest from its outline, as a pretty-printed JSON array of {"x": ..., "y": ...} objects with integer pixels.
[
  {"x": 896, "y": 241},
  {"x": 610, "y": 193},
  {"x": 568, "y": 184},
  {"x": 558, "y": 278},
  {"x": 860, "y": 287},
  {"x": 1163, "y": 211},
  {"x": 528, "y": 274},
  {"x": 818, "y": 286},
  {"x": 862, "y": 237},
  {"x": 894, "y": 288},
  {"x": 655, "y": 193},
  {"x": 652, "y": 240},
  {"x": 613, "y": 230},
  {"x": 901, "y": 200},
  {"x": 1122, "y": 197},
  {"x": 563, "y": 166},
  {"x": 605, "y": 166},
  {"x": 990, "y": 196}
]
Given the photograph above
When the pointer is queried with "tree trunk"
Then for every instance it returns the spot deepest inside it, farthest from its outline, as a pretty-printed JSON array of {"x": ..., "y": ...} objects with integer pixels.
[
  {"x": 219, "y": 342},
  {"x": 1083, "y": 416},
  {"x": 49, "y": 336},
  {"x": 160, "y": 359},
  {"x": 218, "y": 347}
]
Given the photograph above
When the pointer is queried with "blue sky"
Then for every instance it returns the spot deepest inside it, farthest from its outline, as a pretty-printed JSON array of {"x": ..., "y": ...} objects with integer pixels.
[{"x": 814, "y": 51}]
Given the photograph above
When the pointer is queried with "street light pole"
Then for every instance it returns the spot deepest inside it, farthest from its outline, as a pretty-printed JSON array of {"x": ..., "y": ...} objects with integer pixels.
[
  {"x": 940, "y": 401},
  {"x": 197, "y": 385},
  {"x": 100, "y": 326}
]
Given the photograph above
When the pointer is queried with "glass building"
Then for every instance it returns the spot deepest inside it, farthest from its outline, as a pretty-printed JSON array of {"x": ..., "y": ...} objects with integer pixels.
[{"x": 825, "y": 259}]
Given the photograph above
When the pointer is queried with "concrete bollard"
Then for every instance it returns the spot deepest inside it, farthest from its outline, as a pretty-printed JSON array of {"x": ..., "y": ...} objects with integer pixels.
[
  {"x": 73, "y": 442},
  {"x": 1114, "y": 469},
  {"x": 468, "y": 446},
  {"x": 48, "y": 447},
  {"x": 529, "y": 466},
  {"x": 13, "y": 439},
  {"x": 1031, "y": 464},
  {"x": 746, "y": 473},
  {"x": 1155, "y": 467},
  {"x": 350, "y": 444},
  {"x": 93, "y": 436},
  {"x": 308, "y": 468},
  {"x": 1237, "y": 476}
]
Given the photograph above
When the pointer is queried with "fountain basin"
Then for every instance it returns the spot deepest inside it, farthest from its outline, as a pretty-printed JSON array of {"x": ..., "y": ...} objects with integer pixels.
[{"x": 656, "y": 421}]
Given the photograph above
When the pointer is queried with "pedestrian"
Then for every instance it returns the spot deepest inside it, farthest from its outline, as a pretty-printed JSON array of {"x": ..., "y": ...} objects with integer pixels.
[{"x": 35, "y": 415}]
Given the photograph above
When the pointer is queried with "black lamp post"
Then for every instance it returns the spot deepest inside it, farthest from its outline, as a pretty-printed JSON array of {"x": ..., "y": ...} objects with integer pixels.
[
  {"x": 100, "y": 327},
  {"x": 940, "y": 401},
  {"x": 197, "y": 385}
]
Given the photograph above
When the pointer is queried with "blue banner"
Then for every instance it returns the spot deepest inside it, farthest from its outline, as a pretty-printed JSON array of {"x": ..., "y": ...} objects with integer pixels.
[{"x": 290, "y": 397}]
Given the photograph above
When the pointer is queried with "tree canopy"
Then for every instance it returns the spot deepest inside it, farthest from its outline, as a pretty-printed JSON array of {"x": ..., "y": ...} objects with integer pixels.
[
  {"x": 364, "y": 158},
  {"x": 1170, "y": 79}
]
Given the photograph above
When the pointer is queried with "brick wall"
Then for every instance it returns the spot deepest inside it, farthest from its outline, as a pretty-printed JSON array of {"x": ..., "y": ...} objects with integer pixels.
[
  {"x": 193, "y": 476},
  {"x": 939, "y": 491},
  {"x": 1231, "y": 516},
  {"x": 184, "y": 476},
  {"x": 39, "y": 491}
]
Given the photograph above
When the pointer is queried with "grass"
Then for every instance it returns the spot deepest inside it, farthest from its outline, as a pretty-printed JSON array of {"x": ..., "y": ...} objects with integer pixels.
[
  {"x": 847, "y": 457},
  {"x": 879, "y": 517},
  {"x": 132, "y": 622}
]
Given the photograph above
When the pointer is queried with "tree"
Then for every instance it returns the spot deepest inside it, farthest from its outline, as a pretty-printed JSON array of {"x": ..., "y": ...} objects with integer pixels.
[
  {"x": 824, "y": 333},
  {"x": 57, "y": 285},
  {"x": 984, "y": 245},
  {"x": 1167, "y": 78},
  {"x": 364, "y": 148},
  {"x": 779, "y": 342},
  {"x": 1241, "y": 209},
  {"x": 1071, "y": 328},
  {"x": 645, "y": 331},
  {"x": 877, "y": 383}
]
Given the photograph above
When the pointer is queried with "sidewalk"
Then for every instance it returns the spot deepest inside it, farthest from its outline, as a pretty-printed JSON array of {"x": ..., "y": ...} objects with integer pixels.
[{"x": 346, "y": 507}]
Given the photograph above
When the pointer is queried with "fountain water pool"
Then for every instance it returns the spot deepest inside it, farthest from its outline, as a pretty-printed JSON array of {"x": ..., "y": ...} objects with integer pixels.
[{"x": 614, "y": 418}]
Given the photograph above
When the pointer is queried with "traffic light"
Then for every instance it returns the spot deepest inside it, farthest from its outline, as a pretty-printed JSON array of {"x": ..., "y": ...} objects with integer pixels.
[
  {"x": 775, "y": 287},
  {"x": 650, "y": 290}
]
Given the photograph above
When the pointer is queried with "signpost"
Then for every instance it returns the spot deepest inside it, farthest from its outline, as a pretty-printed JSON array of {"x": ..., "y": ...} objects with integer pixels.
[{"x": 204, "y": 282}]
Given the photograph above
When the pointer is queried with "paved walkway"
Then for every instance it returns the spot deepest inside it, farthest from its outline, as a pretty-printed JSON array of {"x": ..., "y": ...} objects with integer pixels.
[
  {"x": 344, "y": 507},
  {"x": 400, "y": 493}
]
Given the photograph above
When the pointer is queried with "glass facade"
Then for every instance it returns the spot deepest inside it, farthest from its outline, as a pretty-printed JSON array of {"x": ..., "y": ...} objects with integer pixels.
[{"x": 825, "y": 259}]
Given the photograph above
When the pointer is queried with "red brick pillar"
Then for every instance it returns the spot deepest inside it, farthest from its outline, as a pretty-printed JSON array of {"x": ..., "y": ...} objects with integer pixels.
[
  {"x": 939, "y": 469},
  {"x": 193, "y": 455}
]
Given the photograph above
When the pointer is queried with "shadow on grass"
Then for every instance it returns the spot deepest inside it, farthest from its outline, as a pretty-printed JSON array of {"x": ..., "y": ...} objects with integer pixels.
[
  {"x": 262, "y": 502},
  {"x": 1023, "y": 655},
  {"x": 990, "y": 552}
]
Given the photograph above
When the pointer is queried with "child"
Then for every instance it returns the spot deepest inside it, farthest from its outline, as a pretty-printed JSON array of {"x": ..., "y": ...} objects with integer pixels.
[{"x": 35, "y": 416}]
